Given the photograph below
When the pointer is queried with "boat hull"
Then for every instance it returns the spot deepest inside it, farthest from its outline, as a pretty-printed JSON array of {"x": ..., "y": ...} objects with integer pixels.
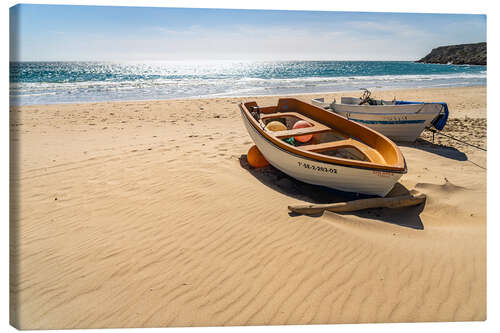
[
  {"x": 339, "y": 177},
  {"x": 402, "y": 123}
]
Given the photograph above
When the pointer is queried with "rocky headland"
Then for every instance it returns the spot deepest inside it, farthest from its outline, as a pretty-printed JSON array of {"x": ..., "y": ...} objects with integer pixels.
[{"x": 463, "y": 54}]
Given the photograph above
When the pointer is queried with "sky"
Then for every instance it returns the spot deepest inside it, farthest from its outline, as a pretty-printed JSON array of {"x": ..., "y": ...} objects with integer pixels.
[{"x": 95, "y": 33}]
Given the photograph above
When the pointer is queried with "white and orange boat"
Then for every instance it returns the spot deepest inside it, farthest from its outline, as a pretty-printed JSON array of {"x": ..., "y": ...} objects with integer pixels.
[{"x": 340, "y": 153}]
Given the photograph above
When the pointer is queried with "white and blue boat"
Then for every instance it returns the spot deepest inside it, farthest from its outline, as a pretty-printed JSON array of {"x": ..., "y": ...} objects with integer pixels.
[{"x": 401, "y": 121}]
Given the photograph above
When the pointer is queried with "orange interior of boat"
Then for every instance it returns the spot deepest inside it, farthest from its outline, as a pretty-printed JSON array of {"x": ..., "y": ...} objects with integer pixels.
[{"x": 334, "y": 138}]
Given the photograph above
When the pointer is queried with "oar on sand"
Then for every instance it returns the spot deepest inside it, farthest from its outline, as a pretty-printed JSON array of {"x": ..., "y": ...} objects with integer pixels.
[{"x": 354, "y": 205}]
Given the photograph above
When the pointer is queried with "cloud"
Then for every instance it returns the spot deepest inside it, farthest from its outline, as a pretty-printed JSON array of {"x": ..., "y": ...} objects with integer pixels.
[
  {"x": 348, "y": 40},
  {"x": 280, "y": 42}
]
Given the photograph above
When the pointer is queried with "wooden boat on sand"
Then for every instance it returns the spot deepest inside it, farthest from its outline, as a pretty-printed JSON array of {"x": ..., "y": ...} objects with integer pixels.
[{"x": 340, "y": 154}]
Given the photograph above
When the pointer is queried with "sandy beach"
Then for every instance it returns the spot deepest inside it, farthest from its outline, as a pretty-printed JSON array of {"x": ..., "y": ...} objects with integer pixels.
[{"x": 146, "y": 214}]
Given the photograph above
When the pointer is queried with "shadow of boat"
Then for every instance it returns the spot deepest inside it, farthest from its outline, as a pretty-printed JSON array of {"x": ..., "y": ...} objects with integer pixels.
[
  {"x": 315, "y": 194},
  {"x": 438, "y": 149}
]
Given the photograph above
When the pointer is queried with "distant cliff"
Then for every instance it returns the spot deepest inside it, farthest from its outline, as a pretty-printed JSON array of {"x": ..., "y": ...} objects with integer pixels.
[{"x": 463, "y": 54}]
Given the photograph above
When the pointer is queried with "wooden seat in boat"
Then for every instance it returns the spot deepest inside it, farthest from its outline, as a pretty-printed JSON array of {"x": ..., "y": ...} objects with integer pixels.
[
  {"x": 289, "y": 114},
  {"x": 301, "y": 131},
  {"x": 314, "y": 129},
  {"x": 371, "y": 154}
]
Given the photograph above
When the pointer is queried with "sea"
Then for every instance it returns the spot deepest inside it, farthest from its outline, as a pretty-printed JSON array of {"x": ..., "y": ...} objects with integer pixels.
[{"x": 78, "y": 82}]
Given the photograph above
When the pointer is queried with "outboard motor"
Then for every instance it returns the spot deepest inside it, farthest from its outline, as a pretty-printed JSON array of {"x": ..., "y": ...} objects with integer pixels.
[{"x": 255, "y": 111}]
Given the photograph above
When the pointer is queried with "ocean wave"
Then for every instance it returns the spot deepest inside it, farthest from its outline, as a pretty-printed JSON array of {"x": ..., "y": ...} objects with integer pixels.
[
  {"x": 243, "y": 80},
  {"x": 163, "y": 88}
]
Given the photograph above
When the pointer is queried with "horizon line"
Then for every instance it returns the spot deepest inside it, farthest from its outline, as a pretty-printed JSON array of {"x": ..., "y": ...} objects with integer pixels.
[{"x": 217, "y": 60}]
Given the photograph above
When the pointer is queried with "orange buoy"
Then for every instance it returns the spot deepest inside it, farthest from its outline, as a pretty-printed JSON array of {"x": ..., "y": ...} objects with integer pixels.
[
  {"x": 255, "y": 158},
  {"x": 302, "y": 124},
  {"x": 276, "y": 126}
]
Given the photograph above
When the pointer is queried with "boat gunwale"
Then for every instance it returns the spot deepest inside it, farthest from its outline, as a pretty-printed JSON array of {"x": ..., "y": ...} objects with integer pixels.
[
  {"x": 389, "y": 106},
  {"x": 386, "y": 113},
  {"x": 325, "y": 158}
]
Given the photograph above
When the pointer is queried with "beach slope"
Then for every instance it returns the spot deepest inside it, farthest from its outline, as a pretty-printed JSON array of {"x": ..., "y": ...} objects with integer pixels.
[{"x": 146, "y": 214}]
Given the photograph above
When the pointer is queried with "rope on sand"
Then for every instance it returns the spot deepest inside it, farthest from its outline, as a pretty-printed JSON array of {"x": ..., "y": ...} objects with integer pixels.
[{"x": 449, "y": 136}]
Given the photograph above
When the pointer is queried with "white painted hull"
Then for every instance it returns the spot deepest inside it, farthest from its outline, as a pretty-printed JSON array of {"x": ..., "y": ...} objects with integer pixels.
[
  {"x": 402, "y": 127},
  {"x": 403, "y": 123},
  {"x": 339, "y": 177}
]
